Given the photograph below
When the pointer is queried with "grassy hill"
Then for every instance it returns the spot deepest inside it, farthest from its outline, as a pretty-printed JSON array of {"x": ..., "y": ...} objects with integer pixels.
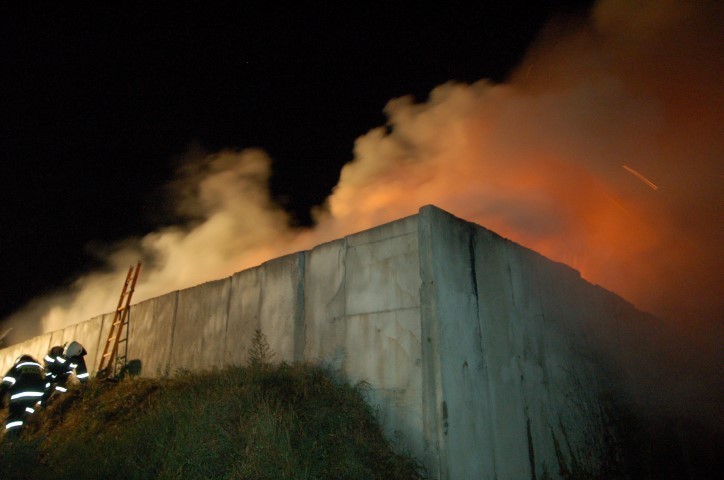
[{"x": 258, "y": 422}]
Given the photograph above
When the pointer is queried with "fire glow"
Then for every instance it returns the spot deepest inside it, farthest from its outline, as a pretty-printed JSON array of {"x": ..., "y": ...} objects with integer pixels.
[{"x": 536, "y": 159}]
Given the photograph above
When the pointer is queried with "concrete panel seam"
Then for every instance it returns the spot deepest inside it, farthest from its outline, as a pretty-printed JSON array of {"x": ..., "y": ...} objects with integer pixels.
[
  {"x": 300, "y": 331},
  {"x": 510, "y": 271},
  {"x": 472, "y": 245},
  {"x": 488, "y": 389},
  {"x": 47, "y": 348},
  {"x": 173, "y": 330},
  {"x": 99, "y": 350},
  {"x": 228, "y": 316},
  {"x": 343, "y": 285},
  {"x": 262, "y": 278}
]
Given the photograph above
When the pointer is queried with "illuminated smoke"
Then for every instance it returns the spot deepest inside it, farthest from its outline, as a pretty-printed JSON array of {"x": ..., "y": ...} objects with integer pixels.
[
  {"x": 233, "y": 224},
  {"x": 538, "y": 159}
]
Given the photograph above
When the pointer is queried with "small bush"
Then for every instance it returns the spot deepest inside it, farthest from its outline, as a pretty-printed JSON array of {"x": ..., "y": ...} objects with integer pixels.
[{"x": 260, "y": 354}]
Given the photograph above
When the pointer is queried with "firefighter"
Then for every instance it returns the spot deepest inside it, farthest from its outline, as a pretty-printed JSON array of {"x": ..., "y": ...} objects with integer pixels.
[
  {"x": 24, "y": 383},
  {"x": 74, "y": 353},
  {"x": 56, "y": 372},
  {"x": 59, "y": 366}
]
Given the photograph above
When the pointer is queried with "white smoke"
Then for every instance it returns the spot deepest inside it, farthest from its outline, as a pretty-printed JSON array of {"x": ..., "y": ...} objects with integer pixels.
[{"x": 538, "y": 159}]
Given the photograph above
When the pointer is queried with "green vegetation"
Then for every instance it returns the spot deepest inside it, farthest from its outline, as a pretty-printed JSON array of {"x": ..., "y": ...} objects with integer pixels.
[{"x": 259, "y": 422}]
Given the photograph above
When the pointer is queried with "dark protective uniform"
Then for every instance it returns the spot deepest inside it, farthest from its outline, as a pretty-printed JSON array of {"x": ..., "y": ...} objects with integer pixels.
[
  {"x": 58, "y": 369},
  {"x": 24, "y": 383}
]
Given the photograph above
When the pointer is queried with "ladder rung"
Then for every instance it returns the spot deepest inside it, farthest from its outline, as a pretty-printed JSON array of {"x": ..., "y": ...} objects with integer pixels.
[
  {"x": 111, "y": 338},
  {"x": 115, "y": 323},
  {"x": 107, "y": 355}
]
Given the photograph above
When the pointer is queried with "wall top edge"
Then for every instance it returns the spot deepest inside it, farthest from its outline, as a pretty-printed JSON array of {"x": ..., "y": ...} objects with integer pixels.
[
  {"x": 301, "y": 252},
  {"x": 428, "y": 213}
]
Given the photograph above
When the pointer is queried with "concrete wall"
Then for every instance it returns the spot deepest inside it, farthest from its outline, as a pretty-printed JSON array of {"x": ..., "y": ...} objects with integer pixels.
[
  {"x": 479, "y": 353},
  {"x": 362, "y": 316},
  {"x": 509, "y": 369}
]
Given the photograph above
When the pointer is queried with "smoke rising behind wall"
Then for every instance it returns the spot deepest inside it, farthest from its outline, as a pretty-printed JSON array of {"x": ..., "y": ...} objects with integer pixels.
[{"x": 546, "y": 159}]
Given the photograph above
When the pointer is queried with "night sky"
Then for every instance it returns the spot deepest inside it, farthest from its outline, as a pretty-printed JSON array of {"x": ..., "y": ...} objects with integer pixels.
[{"x": 100, "y": 102}]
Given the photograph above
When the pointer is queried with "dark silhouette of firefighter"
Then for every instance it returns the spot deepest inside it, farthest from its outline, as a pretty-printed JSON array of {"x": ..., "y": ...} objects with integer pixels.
[
  {"x": 25, "y": 385},
  {"x": 60, "y": 364}
]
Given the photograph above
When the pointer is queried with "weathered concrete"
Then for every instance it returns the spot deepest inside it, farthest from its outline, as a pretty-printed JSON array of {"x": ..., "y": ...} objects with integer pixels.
[
  {"x": 457, "y": 408},
  {"x": 362, "y": 317},
  {"x": 152, "y": 319},
  {"x": 106, "y": 320},
  {"x": 507, "y": 375},
  {"x": 9, "y": 354},
  {"x": 199, "y": 329},
  {"x": 324, "y": 303},
  {"x": 480, "y": 355},
  {"x": 244, "y": 315},
  {"x": 281, "y": 306},
  {"x": 88, "y": 333}
]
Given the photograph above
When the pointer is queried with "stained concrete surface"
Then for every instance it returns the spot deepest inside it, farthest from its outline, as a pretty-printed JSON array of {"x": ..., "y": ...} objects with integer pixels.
[
  {"x": 152, "y": 318},
  {"x": 199, "y": 327}
]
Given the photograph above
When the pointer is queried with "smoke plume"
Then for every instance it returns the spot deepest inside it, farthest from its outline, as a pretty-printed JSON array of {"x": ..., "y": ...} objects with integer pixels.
[{"x": 603, "y": 150}]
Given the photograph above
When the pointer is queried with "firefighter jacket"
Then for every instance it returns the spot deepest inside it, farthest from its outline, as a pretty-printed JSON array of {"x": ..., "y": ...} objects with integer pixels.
[
  {"x": 77, "y": 363},
  {"x": 56, "y": 368},
  {"x": 59, "y": 367},
  {"x": 24, "y": 382}
]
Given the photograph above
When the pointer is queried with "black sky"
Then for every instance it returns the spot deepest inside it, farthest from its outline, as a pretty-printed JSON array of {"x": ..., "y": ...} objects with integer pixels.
[{"x": 99, "y": 102}]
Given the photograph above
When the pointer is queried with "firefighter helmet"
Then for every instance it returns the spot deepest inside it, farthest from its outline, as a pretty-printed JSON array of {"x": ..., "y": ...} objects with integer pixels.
[
  {"x": 74, "y": 349},
  {"x": 24, "y": 358}
]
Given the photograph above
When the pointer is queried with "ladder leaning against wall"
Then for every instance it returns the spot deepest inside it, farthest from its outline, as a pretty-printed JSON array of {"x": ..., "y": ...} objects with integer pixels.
[{"x": 112, "y": 362}]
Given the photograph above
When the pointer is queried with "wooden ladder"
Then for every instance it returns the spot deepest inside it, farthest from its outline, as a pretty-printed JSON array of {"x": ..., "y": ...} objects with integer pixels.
[{"x": 111, "y": 361}]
